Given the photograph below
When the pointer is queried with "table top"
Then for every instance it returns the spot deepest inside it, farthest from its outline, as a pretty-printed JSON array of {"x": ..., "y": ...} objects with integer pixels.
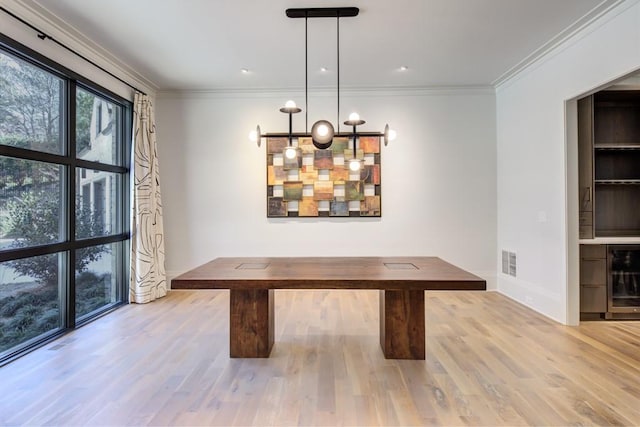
[{"x": 401, "y": 273}]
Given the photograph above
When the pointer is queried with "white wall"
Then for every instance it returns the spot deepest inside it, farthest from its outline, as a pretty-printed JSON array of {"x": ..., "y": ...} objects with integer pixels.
[
  {"x": 537, "y": 217},
  {"x": 438, "y": 178},
  {"x": 21, "y": 33}
]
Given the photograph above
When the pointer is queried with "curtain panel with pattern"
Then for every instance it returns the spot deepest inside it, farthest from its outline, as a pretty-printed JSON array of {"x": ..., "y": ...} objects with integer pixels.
[{"x": 148, "y": 277}]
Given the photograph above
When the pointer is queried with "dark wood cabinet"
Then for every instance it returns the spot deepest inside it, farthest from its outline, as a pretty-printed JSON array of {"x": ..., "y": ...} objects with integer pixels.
[
  {"x": 609, "y": 203},
  {"x": 585, "y": 166},
  {"x": 593, "y": 278},
  {"x": 609, "y": 281}
]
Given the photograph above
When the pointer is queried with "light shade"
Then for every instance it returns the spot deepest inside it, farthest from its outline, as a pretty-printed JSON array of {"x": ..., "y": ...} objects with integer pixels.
[
  {"x": 354, "y": 120},
  {"x": 322, "y": 134},
  {"x": 389, "y": 134},
  {"x": 256, "y": 135},
  {"x": 355, "y": 165},
  {"x": 290, "y": 152},
  {"x": 290, "y": 108}
]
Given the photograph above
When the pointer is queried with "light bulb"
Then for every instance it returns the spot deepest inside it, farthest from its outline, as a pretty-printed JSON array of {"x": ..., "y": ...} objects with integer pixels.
[
  {"x": 392, "y": 134},
  {"x": 290, "y": 104},
  {"x": 290, "y": 153},
  {"x": 354, "y": 117},
  {"x": 354, "y": 165},
  {"x": 253, "y": 136},
  {"x": 323, "y": 130}
]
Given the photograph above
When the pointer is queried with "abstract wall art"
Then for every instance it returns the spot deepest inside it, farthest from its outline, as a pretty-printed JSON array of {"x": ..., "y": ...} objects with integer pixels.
[{"x": 318, "y": 183}]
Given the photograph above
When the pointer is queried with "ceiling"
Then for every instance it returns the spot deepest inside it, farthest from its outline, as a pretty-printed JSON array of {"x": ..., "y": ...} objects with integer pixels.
[{"x": 204, "y": 44}]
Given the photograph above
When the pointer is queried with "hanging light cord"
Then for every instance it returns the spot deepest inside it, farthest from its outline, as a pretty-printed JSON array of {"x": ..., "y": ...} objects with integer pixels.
[
  {"x": 306, "y": 78},
  {"x": 338, "y": 64}
]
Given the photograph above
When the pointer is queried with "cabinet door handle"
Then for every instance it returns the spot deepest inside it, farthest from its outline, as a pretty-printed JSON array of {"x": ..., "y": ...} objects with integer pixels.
[{"x": 588, "y": 194}]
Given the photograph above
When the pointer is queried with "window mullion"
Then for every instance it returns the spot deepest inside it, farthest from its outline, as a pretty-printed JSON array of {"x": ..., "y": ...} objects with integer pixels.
[{"x": 70, "y": 291}]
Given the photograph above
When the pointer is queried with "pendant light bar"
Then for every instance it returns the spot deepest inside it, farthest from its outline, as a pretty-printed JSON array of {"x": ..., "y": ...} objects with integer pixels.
[
  {"x": 306, "y": 77},
  {"x": 323, "y": 12},
  {"x": 322, "y": 131},
  {"x": 307, "y": 134},
  {"x": 338, "y": 63}
]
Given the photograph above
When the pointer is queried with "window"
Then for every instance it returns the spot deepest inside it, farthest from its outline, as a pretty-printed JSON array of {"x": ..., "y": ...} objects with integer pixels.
[{"x": 64, "y": 185}]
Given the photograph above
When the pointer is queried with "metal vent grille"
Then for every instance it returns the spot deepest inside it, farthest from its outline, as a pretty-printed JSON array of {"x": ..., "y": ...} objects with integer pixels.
[
  {"x": 509, "y": 263},
  {"x": 505, "y": 262},
  {"x": 512, "y": 264}
]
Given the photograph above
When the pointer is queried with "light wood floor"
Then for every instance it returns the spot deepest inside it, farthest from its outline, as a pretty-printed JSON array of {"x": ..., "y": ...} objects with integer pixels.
[{"x": 490, "y": 361}]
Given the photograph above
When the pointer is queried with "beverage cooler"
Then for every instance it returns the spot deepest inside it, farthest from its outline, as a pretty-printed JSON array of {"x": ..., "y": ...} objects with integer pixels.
[{"x": 623, "y": 279}]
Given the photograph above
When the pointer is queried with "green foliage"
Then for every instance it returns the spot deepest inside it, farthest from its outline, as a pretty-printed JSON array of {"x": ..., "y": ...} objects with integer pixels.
[
  {"x": 92, "y": 292},
  {"x": 19, "y": 141},
  {"x": 47, "y": 320},
  {"x": 9, "y": 306},
  {"x": 18, "y": 173},
  {"x": 30, "y": 103},
  {"x": 84, "y": 112},
  {"x": 22, "y": 321},
  {"x": 30, "y": 313},
  {"x": 35, "y": 219},
  {"x": 30, "y": 106}
]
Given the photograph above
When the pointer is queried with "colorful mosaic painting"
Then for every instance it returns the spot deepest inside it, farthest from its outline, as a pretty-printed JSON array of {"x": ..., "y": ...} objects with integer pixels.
[{"x": 318, "y": 183}]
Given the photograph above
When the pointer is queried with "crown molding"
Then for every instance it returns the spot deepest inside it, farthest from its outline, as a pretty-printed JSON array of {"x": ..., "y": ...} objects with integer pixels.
[
  {"x": 327, "y": 92},
  {"x": 577, "y": 29},
  {"x": 37, "y": 15}
]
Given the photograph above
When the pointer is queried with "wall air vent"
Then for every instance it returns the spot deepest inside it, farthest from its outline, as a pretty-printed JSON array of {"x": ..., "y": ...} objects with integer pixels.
[
  {"x": 512, "y": 264},
  {"x": 509, "y": 263},
  {"x": 505, "y": 262}
]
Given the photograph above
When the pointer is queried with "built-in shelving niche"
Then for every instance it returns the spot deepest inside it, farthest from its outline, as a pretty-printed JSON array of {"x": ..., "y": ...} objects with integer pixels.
[{"x": 616, "y": 160}]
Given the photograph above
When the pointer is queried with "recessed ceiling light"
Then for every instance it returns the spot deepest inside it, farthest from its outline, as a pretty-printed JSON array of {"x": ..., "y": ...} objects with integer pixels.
[
  {"x": 404, "y": 68},
  {"x": 324, "y": 69},
  {"x": 244, "y": 70}
]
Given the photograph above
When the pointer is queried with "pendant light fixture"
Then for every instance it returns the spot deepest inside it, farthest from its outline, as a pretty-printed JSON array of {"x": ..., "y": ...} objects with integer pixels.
[
  {"x": 355, "y": 164},
  {"x": 322, "y": 131},
  {"x": 290, "y": 108}
]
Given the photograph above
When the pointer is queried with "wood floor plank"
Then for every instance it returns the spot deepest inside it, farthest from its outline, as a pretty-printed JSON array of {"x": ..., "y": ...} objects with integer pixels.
[{"x": 489, "y": 361}]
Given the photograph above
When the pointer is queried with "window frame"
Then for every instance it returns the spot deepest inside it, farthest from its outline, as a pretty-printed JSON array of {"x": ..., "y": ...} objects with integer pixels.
[{"x": 70, "y": 164}]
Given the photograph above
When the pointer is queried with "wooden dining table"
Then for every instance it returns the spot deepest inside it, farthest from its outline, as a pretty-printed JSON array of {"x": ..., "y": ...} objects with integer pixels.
[{"x": 401, "y": 281}]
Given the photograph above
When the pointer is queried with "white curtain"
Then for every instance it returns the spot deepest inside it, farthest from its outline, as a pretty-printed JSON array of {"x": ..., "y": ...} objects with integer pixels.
[{"x": 148, "y": 277}]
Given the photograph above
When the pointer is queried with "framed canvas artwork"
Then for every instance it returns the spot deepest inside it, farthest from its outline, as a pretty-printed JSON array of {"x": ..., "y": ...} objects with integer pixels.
[{"x": 319, "y": 183}]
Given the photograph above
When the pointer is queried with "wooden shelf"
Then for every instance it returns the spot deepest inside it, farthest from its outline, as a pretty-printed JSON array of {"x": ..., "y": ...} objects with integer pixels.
[
  {"x": 615, "y": 146},
  {"x": 604, "y": 233},
  {"x": 618, "y": 181},
  {"x": 609, "y": 164}
]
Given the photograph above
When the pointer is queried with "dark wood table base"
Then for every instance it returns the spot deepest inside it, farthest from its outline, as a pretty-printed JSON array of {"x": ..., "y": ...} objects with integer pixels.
[
  {"x": 252, "y": 323},
  {"x": 402, "y": 324},
  {"x": 401, "y": 281}
]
